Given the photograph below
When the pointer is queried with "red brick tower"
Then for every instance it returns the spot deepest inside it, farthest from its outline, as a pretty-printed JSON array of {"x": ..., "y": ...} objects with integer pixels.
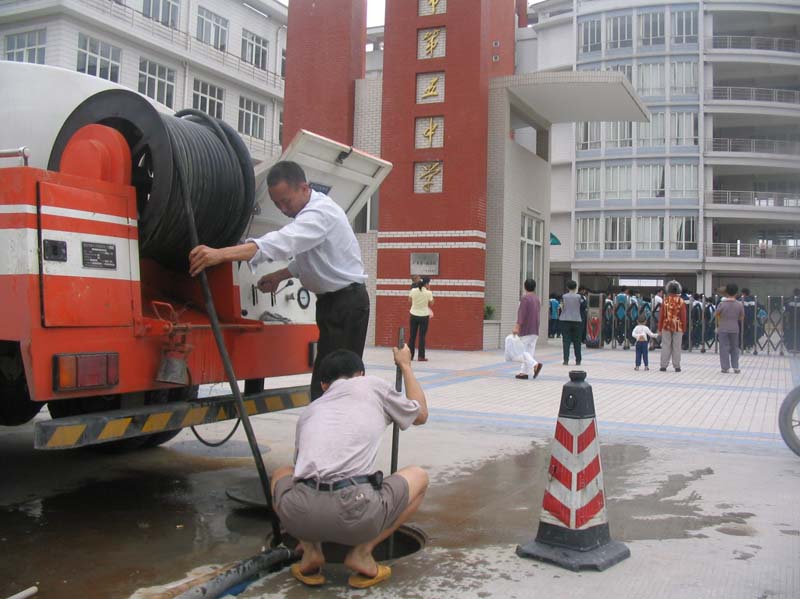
[
  {"x": 438, "y": 58},
  {"x": 325, "y": 54}
]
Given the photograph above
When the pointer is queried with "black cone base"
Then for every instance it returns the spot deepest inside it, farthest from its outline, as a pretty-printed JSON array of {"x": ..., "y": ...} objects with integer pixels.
[{"x": 598, "y": 558}]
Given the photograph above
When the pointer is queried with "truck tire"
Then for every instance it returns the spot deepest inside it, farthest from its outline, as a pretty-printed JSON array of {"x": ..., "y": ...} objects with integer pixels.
[{"x": 789, "y": 420}]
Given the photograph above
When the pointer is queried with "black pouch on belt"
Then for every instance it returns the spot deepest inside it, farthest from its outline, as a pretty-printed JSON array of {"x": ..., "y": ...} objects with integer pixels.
[{"x": 376, "y": 480}]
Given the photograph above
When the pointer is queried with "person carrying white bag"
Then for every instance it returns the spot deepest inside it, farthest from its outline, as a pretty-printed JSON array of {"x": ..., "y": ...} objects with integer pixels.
[{"x": 527, "y": 328}]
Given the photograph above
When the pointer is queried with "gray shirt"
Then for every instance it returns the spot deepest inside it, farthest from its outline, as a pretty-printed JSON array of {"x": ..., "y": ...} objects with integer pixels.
[
  {"x": 729, "y": 312},
  {"x": 572, "y": 307},
  {"x": 338, "y": 434}
]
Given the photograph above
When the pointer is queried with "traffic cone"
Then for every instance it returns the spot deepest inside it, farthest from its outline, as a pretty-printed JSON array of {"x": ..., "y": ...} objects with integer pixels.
[{"x": 573, "y": 526}]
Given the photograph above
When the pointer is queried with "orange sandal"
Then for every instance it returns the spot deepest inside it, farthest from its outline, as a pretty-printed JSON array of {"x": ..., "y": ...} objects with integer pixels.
[
  {"x": 312, "y": 580},
  {"x": 359, "y": 581}
]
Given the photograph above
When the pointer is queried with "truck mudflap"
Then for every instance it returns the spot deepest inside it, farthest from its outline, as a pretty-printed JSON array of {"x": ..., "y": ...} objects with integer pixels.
[{"x": 102, "y": 427}]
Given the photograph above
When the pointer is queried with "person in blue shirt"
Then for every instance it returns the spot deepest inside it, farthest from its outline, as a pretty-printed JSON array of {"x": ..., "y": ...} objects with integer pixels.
[{"x": 552, "y": 323}]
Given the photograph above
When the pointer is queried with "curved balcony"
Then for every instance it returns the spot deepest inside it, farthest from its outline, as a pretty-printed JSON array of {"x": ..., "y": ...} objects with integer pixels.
[
  {"x": 753, "y": 146},
  {"x": 753, "y": 94},
  {"x": 743, "y": 42}
]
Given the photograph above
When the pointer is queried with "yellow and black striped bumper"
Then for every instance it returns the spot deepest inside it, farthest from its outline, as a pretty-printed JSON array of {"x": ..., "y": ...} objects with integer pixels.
[{"x": 101, "y": 427}]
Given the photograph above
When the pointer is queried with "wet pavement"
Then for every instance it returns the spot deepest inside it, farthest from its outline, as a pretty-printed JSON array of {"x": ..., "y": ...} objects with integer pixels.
[{"x": 708, "y": 505}]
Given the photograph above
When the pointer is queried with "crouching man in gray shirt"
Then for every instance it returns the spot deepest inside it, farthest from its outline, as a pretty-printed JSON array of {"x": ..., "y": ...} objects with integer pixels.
[{"x": 333, "y": 493}]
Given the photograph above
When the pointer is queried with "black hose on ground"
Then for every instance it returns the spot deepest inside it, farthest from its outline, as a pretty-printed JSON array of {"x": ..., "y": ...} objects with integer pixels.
[
  {"x": 243, "y": 571},
  {"x": 183, "y": 190}
]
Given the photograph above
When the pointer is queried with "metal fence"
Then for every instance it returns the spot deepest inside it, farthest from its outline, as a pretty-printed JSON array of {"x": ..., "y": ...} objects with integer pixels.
[{"x": 771, "y": 324}]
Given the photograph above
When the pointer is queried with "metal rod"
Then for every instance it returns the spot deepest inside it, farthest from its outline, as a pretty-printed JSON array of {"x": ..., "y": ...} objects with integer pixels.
[
  {"x": 782, "y": 331},
  {"x": 703, "y": 325},
  {"x": 398, "y": 386},
  {"x": 22, "y": 152}
]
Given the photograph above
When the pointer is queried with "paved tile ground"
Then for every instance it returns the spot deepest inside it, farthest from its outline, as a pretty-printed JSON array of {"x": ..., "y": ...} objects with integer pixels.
[{"x": 698, "y": 482}]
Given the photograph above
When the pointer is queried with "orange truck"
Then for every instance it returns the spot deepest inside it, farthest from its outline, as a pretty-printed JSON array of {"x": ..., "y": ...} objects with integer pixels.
[{"x": 99, "y": 318}]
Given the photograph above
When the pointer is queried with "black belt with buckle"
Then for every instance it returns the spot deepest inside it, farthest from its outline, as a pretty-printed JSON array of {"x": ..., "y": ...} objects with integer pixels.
[
  {"x": 343, "y": 290},
  {"x": 376, "y": 480}
]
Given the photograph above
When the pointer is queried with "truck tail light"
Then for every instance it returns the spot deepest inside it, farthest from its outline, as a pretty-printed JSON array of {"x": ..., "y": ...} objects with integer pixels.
[{"x": 85, "y": 371}]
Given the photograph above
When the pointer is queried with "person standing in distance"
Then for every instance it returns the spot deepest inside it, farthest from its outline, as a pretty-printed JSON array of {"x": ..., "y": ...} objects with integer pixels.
[
  {"x": 421, "y": 300},
  {"x": 570, "y": 322},
  {"x": 322, "y": 252}
]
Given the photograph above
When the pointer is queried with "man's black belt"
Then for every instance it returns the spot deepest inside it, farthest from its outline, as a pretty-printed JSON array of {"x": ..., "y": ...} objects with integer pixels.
[
  {"x": 376, "y": 480},
  {"x": 343, "y": 290}
]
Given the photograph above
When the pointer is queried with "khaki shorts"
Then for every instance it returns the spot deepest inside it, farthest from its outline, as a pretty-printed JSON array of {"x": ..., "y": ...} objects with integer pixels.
[{"x": 349, "y": 516}]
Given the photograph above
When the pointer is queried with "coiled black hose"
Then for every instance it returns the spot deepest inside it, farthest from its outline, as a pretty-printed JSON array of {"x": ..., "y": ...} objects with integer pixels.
[{"x": 220, "y": 184}]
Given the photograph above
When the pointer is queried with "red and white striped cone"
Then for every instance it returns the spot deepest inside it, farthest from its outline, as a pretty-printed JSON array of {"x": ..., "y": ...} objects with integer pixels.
[{"x": 573, "y": 526}]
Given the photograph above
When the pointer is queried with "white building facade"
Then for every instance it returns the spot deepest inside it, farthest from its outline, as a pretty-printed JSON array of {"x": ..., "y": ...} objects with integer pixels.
[
  {"x": 224, "y": 57},
  {"x": 708, "y": 192}
]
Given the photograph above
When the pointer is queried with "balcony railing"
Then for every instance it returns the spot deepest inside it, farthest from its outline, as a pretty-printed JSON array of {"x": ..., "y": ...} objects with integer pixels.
[
  {"x": 765, "y": 199},
  {"x": 753, "y": 146},
  {"x": 261, "y": 148},
  {"x": 752, "y": 251},
  {"x": 753, "y": 94},
  {"x": 743, "y": 42},
  {"x": 137, "y": 22}
]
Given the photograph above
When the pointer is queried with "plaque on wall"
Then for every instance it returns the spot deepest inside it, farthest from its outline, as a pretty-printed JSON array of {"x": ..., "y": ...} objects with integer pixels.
[{"x": 425, "y": 264}]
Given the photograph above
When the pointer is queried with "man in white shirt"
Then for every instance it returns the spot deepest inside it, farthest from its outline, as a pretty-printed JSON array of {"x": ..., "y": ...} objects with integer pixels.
[{"x": 323, "y": 253}]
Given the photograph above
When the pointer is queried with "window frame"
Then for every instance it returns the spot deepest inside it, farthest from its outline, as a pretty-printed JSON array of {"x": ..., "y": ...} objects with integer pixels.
[
  {"x": 166, "y": 12},
  {"x": 587, "y": 183},
  {"x": 619, "y": 134},
  {"x": 593, "y": 30},
  {"x": 587, "y": 234},
  {"x": 37, "y": 50},
  {"x": 652, "y": 129},
  {"x": 586, "y": 135},
  {"x": 650, "y": 233},
  {"x": 617, "y": 24},
  {"x": 99, "y": 58},
  {"x": 212, "y": 29},
  {"x": 531, "y": 251},
  {"x": 253, "y": 46},
  {"x": 618, "y": 234},
  {"x": 198, "y": 95},
  {"x": 678, "y": 173},
  {"x": 679, "y": 22},
  {"x": 164, "y": 94},
  {"x": 645, "y": 71},
  {"x": 681, "y": 122},
  {"x": 646, "y": 27},
  {"x": 679, "y": 82},
  {"x": 616, "y": 176},
  {"x": 647, "y": 174},
  {"x": 249, "y": 118},
  {"x": 683, "y": 233}
]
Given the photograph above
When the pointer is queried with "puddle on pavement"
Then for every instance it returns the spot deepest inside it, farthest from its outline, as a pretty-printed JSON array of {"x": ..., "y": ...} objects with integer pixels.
[
  {"x": 114, "y": 536},
  {"x": 153, "y": 525},
  {"x": 500, "y": 501}
]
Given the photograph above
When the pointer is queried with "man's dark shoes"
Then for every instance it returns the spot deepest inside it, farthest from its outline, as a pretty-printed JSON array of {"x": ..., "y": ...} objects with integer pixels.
[
  {"x": 677, "y": 370},
  {"x": 523, "y": 377},
  {"x": 663, "y": 369},
  {"x": 536, "y": 370}
]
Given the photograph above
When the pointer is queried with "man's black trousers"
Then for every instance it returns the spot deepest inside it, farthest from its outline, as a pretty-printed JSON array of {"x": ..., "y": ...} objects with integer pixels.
[{"x": 342, "y": 318}]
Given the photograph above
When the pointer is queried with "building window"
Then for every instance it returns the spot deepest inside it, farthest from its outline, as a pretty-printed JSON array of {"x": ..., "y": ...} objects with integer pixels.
[
  {"x": 98, "y": 58},
  {"x": 26, "y": 47},
  {"x": 651, "y": 79},
  {"x": 157, "y": 81},
  {"x": 588, "y": 234},
  {"x": 618, "y": 182},
  {"x": 684, "y": 128},
  {"x": 651, "y": 181},
  {"x": 166, "y": 12},
  {"x": 683, "y": 181},
  {"x": 684, "y": 27},
  {"x": 589, "y": 135},
  {"x": 625, "y": 69},
  {"x": 651, "y": 29},
  {"x": 531, "y": 253},
  {"x": 619, "y": 32},
  {"x": 589, "y": 183},
  {"x": 254, "y": 50},
  {"x": 589, "y": 34},
  {"x": 684, "y": 233},
  {"x": 251, "y": 117},
  {"x": 212, "y": 29},
  {"x": 650, "y": 233},
  {"x": 280, "y": 127},
  {"x": 683, "y": 78},
  {"x": 619, "y": 134},
  {"x": 208, "y": 98},
  {"x": 618, "y": 232},
  {"x": 652, "y": 134},
  {"x": 283, "y": 62}
]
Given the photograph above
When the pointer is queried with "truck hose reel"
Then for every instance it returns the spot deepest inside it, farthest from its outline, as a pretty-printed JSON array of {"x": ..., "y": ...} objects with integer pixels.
[{"x": 220, "y": 178}]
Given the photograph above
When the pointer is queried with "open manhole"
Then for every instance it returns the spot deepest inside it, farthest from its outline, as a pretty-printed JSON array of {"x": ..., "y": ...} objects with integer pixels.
[{"x": 407, "y": 540}]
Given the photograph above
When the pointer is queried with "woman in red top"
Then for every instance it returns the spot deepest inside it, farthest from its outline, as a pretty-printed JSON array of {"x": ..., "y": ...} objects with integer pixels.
[{"x": 671, "y": 325}]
